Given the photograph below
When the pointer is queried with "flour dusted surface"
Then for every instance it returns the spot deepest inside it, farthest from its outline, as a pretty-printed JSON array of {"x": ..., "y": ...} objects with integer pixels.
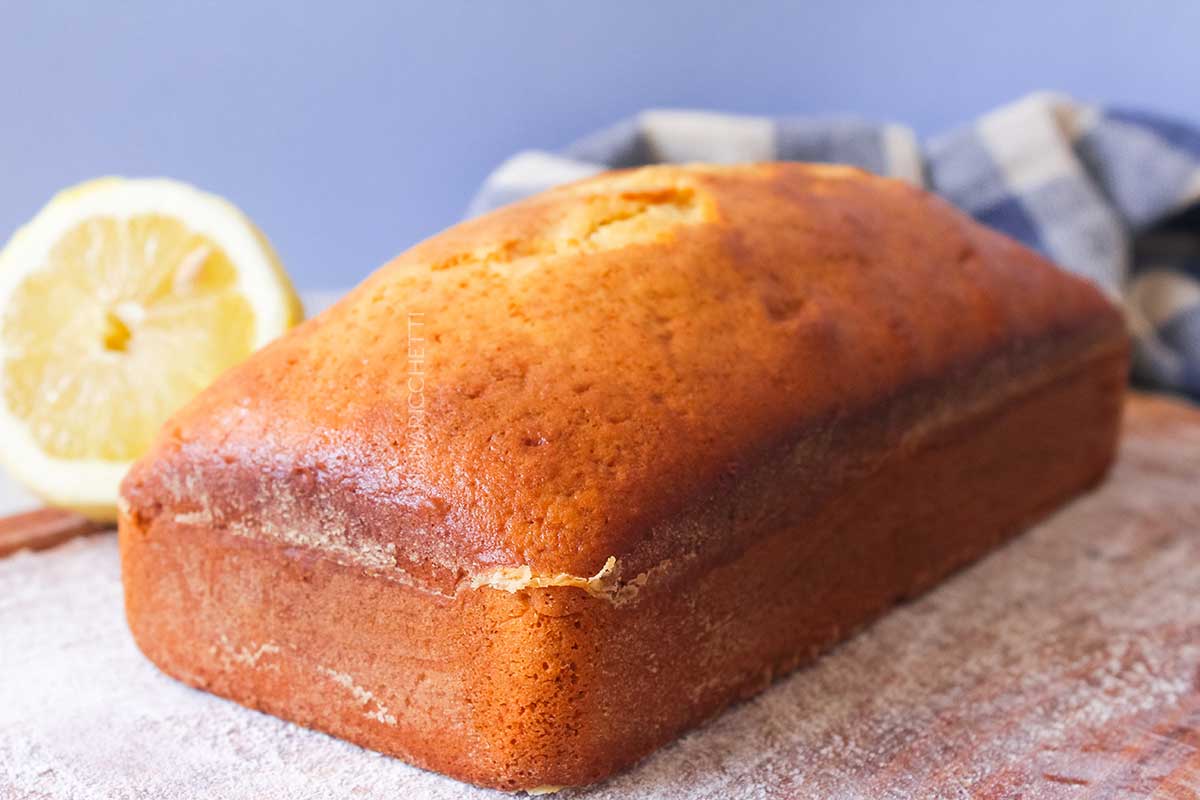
[{"x": 1064, "y": 664}]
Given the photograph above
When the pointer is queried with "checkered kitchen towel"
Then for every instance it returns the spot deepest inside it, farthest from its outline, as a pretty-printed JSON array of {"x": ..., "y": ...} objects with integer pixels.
[{"x": 1112, "y": 195}]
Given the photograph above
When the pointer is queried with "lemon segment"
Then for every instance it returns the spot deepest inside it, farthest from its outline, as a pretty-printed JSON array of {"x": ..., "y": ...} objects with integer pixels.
[{"x": 118, "y": 303}]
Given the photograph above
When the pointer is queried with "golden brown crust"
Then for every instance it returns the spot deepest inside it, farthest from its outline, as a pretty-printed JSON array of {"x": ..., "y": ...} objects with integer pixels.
[
  {"x": 597, "y": 358},
  {"x": 679, "y": 430}
]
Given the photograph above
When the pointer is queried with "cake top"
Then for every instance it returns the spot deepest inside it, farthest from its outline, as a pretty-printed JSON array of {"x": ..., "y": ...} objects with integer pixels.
[{"x": 526, "y": 396}]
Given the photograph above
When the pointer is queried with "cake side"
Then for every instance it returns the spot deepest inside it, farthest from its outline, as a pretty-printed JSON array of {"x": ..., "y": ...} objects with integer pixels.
[
  {"x": 536, "y": 394},
  {"x": 559, "y": 686}
]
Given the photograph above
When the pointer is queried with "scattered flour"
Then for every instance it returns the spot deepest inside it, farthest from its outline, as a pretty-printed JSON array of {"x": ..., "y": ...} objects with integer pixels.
[
  {"x": 1032, "y": 674},
  {"x": 247, "y": 656},
  {"x": 379, "y": 713}
]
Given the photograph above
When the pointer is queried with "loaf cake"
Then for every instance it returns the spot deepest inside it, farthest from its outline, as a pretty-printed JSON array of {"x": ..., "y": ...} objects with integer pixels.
[{"x": 564, "y": 481}]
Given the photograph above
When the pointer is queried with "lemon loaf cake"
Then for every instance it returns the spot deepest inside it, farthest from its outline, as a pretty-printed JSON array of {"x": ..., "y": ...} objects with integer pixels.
[{"x": 563, "y": 481}]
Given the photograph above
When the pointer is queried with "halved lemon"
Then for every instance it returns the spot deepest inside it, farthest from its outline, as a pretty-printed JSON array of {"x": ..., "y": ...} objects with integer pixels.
[{"x": 119, "y": 302}]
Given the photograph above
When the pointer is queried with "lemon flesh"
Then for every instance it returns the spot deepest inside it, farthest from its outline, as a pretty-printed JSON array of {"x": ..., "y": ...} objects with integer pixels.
[{"x": 119, "y": 303}]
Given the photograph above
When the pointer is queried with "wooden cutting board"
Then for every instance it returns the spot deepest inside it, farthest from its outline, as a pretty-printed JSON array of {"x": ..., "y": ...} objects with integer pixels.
[{"x": 1065, "y": 665}]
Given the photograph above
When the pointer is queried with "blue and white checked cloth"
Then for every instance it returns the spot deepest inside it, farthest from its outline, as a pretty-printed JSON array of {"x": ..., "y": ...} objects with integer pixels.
[{"x": 1111, "y": 195}]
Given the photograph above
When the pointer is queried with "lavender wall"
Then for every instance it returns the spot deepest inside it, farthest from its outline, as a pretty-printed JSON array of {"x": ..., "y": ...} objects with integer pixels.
[{"x": 352, "y": 131}]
